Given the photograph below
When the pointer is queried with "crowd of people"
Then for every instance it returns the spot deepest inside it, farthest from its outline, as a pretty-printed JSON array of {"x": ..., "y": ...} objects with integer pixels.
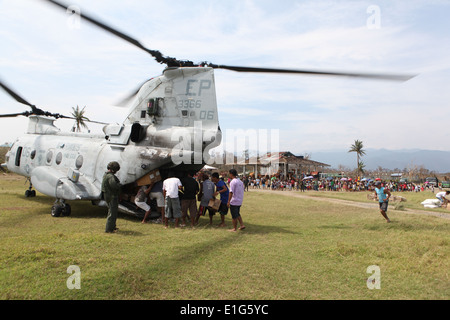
[
  {"x": 381, "y": 189},
  {"x": 305, "y": 183},
  {"x": 177, "y": 199},
  {"x": 187, "y": 199}
]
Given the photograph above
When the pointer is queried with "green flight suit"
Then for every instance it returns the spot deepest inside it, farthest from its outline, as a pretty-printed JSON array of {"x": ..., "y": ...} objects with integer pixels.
[{"x": 111, "y": 190}]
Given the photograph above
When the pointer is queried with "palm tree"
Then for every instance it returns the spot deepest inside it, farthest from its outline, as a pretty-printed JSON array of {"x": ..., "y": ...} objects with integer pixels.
[
  {"x": 80, "y": 119},
  {"x": 361, "y": 167},
  {"x": 358, "y": 148}
]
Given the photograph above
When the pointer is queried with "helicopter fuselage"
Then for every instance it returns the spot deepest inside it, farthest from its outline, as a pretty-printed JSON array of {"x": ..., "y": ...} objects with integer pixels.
[{"x": 171, "y": 126}]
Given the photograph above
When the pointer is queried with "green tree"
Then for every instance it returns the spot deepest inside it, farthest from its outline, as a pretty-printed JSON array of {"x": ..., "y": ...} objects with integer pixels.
[
  {"x": 361, "y": 167},
  {"x": 80, "y": 118},
  {"x": 357, "y": 147}
]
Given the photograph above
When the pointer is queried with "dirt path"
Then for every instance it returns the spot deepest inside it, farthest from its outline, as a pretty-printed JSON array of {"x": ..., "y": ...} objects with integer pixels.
[{"x": 364, "y": 205}]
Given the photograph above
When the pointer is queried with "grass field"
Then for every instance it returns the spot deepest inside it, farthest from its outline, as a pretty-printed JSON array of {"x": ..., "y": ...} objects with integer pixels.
[{"x": 291, "y": 249}]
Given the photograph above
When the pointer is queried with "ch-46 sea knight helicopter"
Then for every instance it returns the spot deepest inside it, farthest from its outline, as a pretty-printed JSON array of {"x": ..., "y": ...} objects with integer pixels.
[{"x": 172, "y": 123}]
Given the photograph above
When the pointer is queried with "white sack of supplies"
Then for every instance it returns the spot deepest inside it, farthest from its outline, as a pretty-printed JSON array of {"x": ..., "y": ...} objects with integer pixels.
[{"x": 431, "y": 203}]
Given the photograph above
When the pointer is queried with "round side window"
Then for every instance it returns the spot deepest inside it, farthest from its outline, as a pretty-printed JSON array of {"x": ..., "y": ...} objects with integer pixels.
[
  {"x": 79, "y": 162},
  {"x": 49, "y": 156},
  {"x": 33, "y": 154},
  {"x": 58, "y": 158}
]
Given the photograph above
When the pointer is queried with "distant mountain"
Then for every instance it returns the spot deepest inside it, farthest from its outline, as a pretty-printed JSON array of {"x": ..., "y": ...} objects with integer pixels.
[{"x": 438, "y": 161}]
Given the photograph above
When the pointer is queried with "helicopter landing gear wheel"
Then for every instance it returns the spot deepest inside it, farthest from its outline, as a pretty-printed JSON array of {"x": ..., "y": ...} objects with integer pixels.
[
  {"x": 61, "y": 208},
  {"x": 57, "y": 210},
  {"x": 30, "y": 193},
  {"x": 67, "y": 210}
]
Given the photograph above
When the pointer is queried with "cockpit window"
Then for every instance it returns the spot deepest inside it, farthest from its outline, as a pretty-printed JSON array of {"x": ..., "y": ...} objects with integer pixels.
[
  {"x": 153, "y": 106},
  {"x": 18, "y": 156}
]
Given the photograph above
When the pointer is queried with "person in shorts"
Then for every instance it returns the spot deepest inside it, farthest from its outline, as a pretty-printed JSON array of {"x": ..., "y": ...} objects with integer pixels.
[
  {"x": 383, "y": 196},
  {"x": 207, "y": 190},
  {"x": 153, "y": 191},
  {"x": 141, "y": 200},
  {"x": 172, "y": 202},
  {"x": 222, "y": 189},
  {"x": 156, "y": 193},
  {"x": 235, "y": 199}
]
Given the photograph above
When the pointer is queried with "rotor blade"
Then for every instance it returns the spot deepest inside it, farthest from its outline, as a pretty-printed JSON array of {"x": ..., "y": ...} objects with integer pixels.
[
  {"x": 171, "y": 62},
  {"x": 123, "y": 102},
  {"x": 26, "y": 114},
  {"x": 61, "y": 116},
  {"x": 48, "y": 114},
  {"x": 394, "y": 77},
  {"x": 35, "y": 110},
  {"x": 16, "y": 97}
]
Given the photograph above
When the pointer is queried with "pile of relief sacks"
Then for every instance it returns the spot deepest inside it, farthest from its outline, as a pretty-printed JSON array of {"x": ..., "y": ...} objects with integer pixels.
[{"x": 431, "y": 203}]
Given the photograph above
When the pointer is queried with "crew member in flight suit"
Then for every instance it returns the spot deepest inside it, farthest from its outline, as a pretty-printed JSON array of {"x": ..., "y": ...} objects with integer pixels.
[{"x": 111, "y": 190}]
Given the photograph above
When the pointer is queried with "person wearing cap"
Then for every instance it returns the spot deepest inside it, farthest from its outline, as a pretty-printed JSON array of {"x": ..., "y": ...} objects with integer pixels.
[
  {"x": 383, "y": 196},
  {"x": 111, "y": 189}
]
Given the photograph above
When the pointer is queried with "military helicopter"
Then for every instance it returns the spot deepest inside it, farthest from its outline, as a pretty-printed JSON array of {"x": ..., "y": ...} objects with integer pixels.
[{"x": 172, "y": 124}]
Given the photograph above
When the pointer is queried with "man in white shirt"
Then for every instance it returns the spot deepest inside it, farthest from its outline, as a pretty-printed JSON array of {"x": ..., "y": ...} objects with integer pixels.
[
  {"x": 170, "y": 191},
  {"x": 442, "y": 198}
]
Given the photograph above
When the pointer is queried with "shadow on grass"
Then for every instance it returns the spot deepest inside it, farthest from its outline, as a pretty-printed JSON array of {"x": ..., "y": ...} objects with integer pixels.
[
  {"x": 38, "y": 199},
  {"x": 184, "y": 256},
  {"x": 85, "y": 210},
  {"x": 79, "y": 209},
  {"x": 252, "y": 228}
]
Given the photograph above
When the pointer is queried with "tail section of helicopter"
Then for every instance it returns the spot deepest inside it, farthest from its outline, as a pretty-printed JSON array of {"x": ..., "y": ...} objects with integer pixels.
[
  {"x": 178, "y": 110},
  {"x": 179, "y": 97}
]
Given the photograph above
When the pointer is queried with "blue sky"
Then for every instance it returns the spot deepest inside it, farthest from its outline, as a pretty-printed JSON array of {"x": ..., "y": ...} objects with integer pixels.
[{"x": 58, "y": 63}]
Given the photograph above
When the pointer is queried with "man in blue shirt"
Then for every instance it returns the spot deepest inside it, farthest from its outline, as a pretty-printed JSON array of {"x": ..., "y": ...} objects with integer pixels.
[
  {"x": 383, "y": 196},
  {"x": 222, "y": 189}
]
